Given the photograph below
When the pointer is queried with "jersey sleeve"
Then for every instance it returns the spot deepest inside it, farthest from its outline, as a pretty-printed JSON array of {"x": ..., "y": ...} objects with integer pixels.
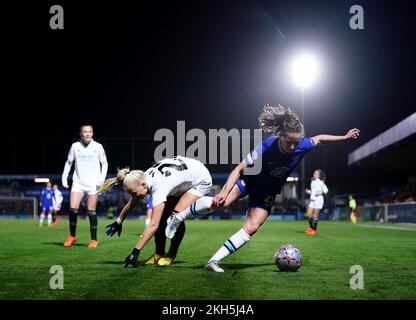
[
  {"x": 104, "y": 164},
  {"x": 324, "y": 188},
  {"x": 307, "y": 144},
  {"x": 158, "y": 197},
  {"x": 257, "y": 152},
  {"x": 68, "y": 164}
]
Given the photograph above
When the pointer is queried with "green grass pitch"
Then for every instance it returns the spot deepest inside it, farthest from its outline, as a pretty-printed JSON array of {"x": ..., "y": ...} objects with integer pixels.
[{"x": 387, "y": 255}]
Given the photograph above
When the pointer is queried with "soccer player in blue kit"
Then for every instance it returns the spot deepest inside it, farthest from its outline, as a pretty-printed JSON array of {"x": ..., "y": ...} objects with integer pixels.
[
  {"x": 47, "y": 203},
  {"x": 279, "y": 156}
]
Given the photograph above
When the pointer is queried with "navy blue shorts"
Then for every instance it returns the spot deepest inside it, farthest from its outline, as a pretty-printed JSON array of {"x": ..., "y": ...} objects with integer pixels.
[{"x": 262, "y": 200}]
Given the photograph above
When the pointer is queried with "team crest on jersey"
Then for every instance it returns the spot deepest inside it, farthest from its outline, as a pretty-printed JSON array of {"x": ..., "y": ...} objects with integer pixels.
[{"x": 279, "y": 172}]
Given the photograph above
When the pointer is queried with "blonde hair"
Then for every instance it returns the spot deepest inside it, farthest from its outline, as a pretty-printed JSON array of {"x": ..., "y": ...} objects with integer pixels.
[
  {"x": 279, "y": 120},
  {"x": 124, "y": 175}
]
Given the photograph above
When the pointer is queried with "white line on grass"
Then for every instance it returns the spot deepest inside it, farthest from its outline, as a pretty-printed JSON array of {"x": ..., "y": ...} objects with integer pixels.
[{"x": 385, "y": 227}]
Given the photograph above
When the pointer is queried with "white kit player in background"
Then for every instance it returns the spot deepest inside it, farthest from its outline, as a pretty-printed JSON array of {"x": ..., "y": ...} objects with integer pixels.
[
  {"x": 316, "y": 203},
  {"x": 89, "y": 174},
  {"x": 57, "y": 204},
  {"x": 180, "y": 177}
]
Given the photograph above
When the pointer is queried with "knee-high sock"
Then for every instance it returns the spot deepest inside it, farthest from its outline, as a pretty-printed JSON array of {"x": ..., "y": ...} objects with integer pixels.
[
  {"x": 49, "y": 218},
  {"x": 235, "y": 242},
  {"x": 200, "y": 206},
  {"x": 92, "y": 215},
  {"x": 42, "y": 217},
  {"x": 310, "y": 222},
  {"x": 315, "y": 224},
  {"x": 160, "y": 237},
  {"x": 73, "y": 221},
  {"x": 177, "y": 239}
]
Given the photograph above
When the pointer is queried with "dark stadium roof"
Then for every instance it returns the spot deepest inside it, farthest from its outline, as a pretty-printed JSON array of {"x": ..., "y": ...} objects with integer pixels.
[{"x": 393, "y": 150}]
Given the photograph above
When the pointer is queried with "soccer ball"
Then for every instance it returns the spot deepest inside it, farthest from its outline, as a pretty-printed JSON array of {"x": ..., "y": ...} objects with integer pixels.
[{"x": 288, "y": 258}]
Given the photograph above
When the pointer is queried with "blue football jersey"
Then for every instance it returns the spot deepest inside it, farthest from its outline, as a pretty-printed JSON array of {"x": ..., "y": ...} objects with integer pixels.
[
  {"x": 149, "y": 204},
  {"x": 48, "y": 194},
  {"x": 276, "y": 165}
]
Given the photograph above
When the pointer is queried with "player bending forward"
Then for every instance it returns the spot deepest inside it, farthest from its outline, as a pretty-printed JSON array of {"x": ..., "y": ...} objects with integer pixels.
[
  {"x": 180, "y": 177},
  {"x": 280, "y": 154}
]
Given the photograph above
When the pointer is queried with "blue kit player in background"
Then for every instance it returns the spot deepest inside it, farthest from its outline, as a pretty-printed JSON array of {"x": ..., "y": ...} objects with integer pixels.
[
  {"x": 149, "y": 210},
  {"x": 280, "y": 154},
  {"x": 46, "y": 202}
]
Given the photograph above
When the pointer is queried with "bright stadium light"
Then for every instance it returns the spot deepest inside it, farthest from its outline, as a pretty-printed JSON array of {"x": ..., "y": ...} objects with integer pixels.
[
  {"x": 305, "y": 70},
  {"x": 292, "y": 179},
  {"x": 42, "y": 180}
]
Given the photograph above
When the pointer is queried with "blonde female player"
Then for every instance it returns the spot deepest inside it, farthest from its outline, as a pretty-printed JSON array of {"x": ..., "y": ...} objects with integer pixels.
[
  {"x": 180, "y": 177},
  {"x": 316, "y": 203},
  {"x": 89, "y": 174},
  {"x": 280, "y": 154}
]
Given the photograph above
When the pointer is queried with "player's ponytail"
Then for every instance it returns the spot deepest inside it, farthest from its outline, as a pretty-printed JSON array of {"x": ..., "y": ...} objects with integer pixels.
[
  {"x": 279, "y": 120},
  {"x": 322, "y": 175},
  {"x": 110, "y": 183}
]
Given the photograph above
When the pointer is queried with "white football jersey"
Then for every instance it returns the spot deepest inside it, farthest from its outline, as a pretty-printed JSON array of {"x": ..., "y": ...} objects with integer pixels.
[
  {"x": 318, "y": 188},
  {"x": 175, "y": 176},
  {"x": 90, "y": 164},
  {"x": 58, "y": 199}
]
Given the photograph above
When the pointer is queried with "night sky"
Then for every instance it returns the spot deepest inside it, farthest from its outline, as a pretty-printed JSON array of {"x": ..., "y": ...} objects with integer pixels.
[{"x": 131, "y": 68}]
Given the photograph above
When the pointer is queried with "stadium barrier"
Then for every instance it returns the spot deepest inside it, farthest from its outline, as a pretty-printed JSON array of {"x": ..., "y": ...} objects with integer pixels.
[
  {"x": 18, "y": 207},
  {"x": 390, "y": 212},
  {"x": 385, "y": 212}
]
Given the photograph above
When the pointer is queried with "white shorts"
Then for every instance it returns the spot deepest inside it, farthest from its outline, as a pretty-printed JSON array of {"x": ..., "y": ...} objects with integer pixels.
[
  {"x": 317, "y": 203},
  {"x": 77, "y": 187},
  {"x": 203, "y": 187}
]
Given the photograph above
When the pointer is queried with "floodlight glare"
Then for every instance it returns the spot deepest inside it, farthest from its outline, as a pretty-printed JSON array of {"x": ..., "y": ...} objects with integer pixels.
[{"x": 304, "y": 70}]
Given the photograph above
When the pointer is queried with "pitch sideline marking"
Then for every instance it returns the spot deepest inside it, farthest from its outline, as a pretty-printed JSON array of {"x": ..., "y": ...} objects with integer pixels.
[{"x": 385, "y": 227}]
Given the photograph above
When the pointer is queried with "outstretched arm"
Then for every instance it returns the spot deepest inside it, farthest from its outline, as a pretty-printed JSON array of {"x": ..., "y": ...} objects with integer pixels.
[
  {"x": 220, "y": 198},
  {"x": 322, "y": 138},
  {"x": 116, "y": 226},
  {"x": 127, "y": 208}
]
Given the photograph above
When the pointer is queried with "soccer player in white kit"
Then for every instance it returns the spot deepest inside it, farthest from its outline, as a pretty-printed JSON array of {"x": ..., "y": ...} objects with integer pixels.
[
  {"x": 316, "y": 203},
  {"x": 57, "y": 204},
  {"x": 181, "y": 177},
  {"x": 89, "y": 174}
]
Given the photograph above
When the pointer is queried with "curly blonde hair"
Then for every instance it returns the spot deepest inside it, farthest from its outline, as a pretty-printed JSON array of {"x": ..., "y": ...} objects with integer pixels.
[
  {"x": 124, "y": 175},
  {"x": 279, "y": 120}
]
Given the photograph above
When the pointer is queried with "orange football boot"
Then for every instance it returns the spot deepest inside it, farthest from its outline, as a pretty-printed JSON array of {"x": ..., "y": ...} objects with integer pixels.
[
  {"x": 93, "y": 244},
  {"x": 70, "y": 241},
  {"x": 309, "y": 231}
]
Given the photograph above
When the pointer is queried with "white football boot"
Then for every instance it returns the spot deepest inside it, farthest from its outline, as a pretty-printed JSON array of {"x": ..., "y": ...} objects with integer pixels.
[
  {"x": 173, "y": 224},
  {"x": 213, "y": 266}
]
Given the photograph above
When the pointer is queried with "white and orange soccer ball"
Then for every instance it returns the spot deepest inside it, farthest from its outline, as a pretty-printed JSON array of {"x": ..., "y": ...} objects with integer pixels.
[{"x": 288, "y": 258}]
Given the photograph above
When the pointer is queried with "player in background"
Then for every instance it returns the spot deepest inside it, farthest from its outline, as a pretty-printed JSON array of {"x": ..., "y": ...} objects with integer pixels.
[
  {"x": 281, "y": 153},
  {"x": 89, "y": 174},
  {"x": 57, "y": 204},
  {"x": 149, "y": 209},
  {"x": 180, "y": 177},
  {"x": 46, "y": 202},
  {"x": 316, "y": 203},
  {"x": 352, "y": 204}
]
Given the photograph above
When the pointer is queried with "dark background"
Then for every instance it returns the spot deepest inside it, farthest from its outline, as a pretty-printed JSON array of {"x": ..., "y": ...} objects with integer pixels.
[{"x": 130, "y": 68}]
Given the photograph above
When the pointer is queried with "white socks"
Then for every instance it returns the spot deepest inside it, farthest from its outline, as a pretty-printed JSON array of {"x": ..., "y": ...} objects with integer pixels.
[
  {"x": 42, "y": 217},
  {"x": 146, "y": 222},
  {"x": 200, "y": 206},
  {"x": 235, "y": 242},
  {"x": 49, "y": 218}
]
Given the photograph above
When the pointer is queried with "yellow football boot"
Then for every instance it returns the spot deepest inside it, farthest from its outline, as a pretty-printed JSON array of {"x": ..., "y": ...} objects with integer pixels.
[
  {"x": 166, "y": 260},
  {"x": 153, "y": 259}
]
